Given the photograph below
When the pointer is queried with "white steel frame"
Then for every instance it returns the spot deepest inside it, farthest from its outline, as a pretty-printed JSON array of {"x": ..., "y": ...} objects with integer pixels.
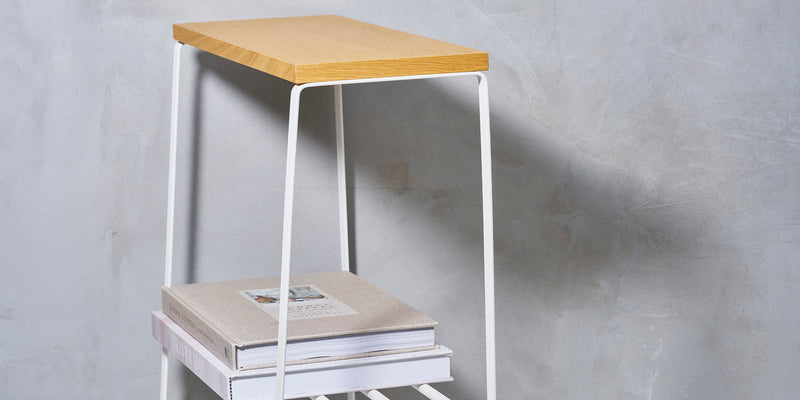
[{"x": 291, "y": 155}]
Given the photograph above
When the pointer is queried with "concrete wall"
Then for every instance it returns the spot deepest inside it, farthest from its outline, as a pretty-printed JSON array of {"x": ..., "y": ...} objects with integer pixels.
[{"x": 647, "y": 193}]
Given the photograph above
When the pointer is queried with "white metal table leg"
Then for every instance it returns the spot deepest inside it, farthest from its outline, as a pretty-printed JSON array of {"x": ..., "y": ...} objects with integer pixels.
[
  {"x": 488, "y": 235},
  {"x": 173, "y": 152},
  {"x": 341, "y": 169},
  {"x": 342, "y": 179},
  {"x": 288, "y": 200}
]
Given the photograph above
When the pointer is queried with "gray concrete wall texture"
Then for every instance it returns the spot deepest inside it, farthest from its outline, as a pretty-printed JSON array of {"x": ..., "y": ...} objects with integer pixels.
[{"x": 647, "y": 191}]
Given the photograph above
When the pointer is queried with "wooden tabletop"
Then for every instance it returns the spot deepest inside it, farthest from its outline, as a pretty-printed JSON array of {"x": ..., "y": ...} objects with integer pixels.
[{"x": 328, "y": 48}]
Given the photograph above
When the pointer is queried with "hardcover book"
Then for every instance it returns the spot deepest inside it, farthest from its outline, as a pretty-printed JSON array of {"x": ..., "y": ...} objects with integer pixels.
[
  {"x": 303, "y": 380},
  {"x": 332, "y": 315}
]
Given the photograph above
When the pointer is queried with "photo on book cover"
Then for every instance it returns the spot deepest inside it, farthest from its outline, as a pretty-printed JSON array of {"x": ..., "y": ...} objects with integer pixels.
[{"x": 305, "y": 302}]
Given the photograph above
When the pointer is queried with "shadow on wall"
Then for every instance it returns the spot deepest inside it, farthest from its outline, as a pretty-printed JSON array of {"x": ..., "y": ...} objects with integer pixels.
[
  {"x": 246, "y": 81},
  {"x": 569, "y": 228}
]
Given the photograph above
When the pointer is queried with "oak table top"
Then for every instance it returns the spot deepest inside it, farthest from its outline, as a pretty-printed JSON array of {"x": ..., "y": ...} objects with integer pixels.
[{"x": 328, "y": 48}]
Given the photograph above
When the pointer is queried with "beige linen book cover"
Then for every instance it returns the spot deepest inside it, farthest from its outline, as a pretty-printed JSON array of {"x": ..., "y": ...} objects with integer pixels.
[{"x": 224, "y": 316}]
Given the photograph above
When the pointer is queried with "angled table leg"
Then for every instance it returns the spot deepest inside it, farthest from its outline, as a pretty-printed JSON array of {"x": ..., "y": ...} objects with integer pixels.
[
  {"x": 288, "y": 200},
  {"x": 488, "y": 236},
  {"x": 173, "y": 151},
  {"x": 341, "y": 171}
]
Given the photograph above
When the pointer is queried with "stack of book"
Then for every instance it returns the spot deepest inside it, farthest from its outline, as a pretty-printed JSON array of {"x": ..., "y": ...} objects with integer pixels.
[{"x": 344, "y": 335}]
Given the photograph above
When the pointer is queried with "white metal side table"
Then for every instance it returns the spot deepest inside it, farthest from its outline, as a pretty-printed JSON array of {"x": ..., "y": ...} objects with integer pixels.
[{"x": 335, "y": 51}]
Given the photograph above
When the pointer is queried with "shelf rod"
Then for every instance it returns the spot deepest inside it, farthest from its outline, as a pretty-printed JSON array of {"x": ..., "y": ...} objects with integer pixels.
[
  {"x": 430, "y": 392},
  {"x": 374, "y": 395}
]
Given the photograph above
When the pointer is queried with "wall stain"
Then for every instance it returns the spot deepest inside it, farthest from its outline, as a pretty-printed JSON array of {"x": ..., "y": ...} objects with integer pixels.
[
  {"x": 558, "y": 203},
  {"x": 114, "y": 257},
  {"x": 394, "y": 176},
  {"x": 445, "y": 201},
  {"x": 556, "y": 235},
  {"x": 505, "y": 157}
]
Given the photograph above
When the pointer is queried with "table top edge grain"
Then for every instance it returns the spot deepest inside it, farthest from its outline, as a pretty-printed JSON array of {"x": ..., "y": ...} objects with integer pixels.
[{"x": 238, "y": 41}]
